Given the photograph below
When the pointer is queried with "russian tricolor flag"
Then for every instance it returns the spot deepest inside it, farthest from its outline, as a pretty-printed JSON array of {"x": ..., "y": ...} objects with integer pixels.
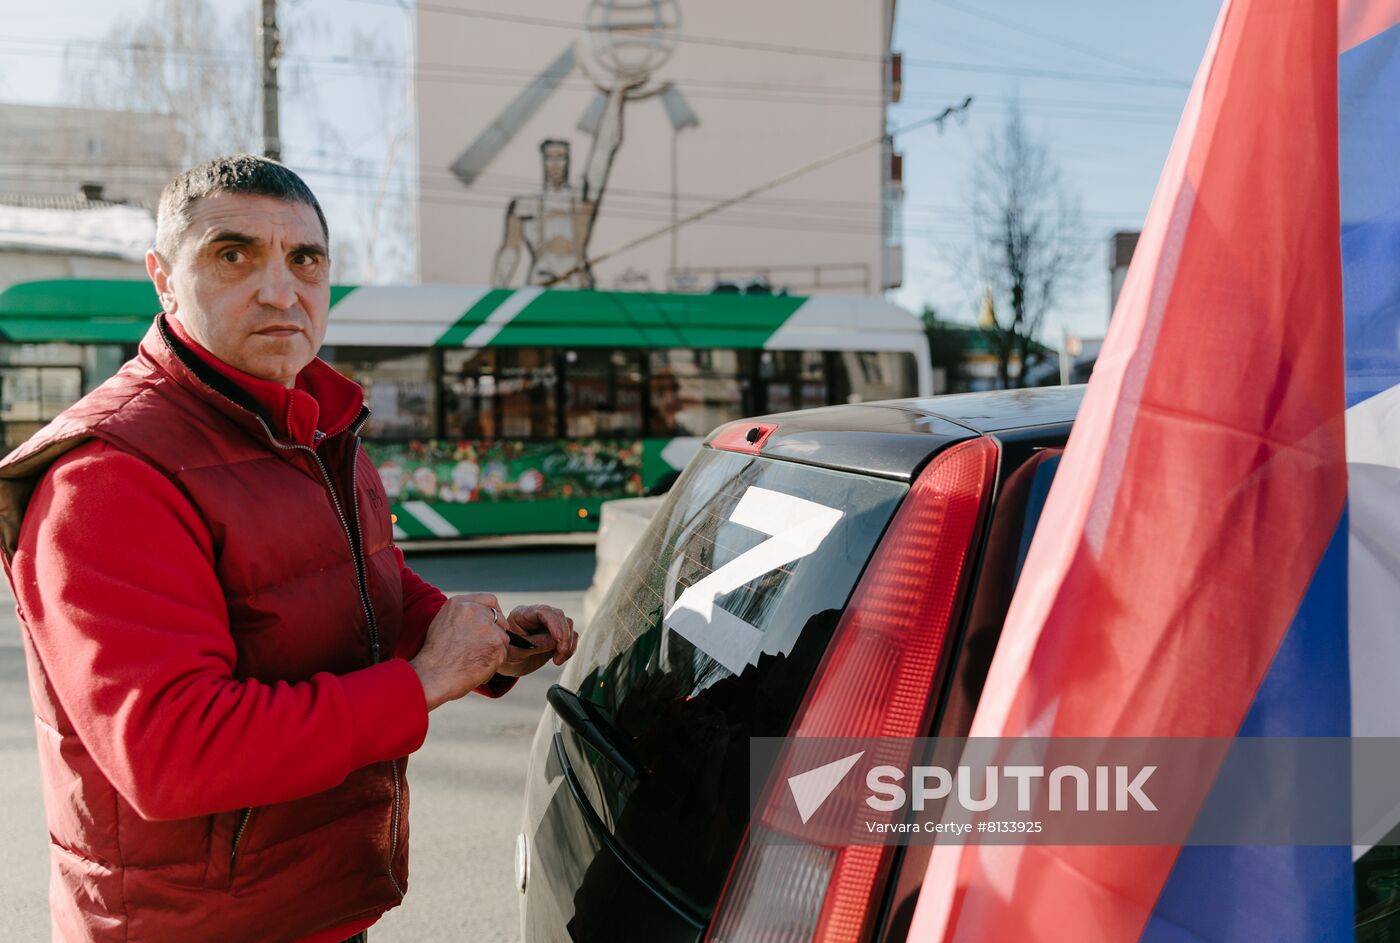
[{"x": 1220, "y": 553}]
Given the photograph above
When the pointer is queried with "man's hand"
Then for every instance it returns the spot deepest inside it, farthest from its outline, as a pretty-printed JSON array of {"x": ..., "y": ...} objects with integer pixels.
[
  {"x": 464, "y": 648},
  {"x": 550, "y": 633}
]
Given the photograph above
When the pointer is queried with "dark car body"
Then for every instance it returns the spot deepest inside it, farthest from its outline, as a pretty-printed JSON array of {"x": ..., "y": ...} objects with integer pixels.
[{"x": 638, "y": 842}]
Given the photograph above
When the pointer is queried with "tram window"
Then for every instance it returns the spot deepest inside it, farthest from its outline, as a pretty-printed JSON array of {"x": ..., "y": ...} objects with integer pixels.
[
  {"x": 866, "y": 375},
  {"x": 38, "y": 393},
  {"x": 397, "y": 388},
  {"x": 31, "y": 396},
  {"x": 39, "y": 381},
  {"x": 469, "y": 393},
  {"x": 100, "y": 362},
  {"x": 526, "y": 382},
  {"x": 55, "y": 354},
  {"x": 792, "y": 379},
  {"x": 494, "y": 392},
  {"x": 693, "y": 391},
  {"x": 603, "y": 393}
]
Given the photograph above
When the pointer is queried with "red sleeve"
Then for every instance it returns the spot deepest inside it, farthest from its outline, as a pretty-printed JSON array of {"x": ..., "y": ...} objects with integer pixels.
[
  {"x": 421, "y": 602},
  {"x": 114, "y": 578}
]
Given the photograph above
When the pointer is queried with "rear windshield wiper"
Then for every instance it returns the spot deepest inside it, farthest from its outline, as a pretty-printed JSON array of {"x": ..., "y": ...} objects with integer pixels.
[{"x": 596, "y": 729}]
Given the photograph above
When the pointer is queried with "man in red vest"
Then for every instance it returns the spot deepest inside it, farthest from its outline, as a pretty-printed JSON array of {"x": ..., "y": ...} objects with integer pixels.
[{"x": 228, "y": 659}]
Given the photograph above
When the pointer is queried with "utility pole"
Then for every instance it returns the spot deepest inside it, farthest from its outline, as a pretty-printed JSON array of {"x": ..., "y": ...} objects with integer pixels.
[{"x": 270, "y": 51}]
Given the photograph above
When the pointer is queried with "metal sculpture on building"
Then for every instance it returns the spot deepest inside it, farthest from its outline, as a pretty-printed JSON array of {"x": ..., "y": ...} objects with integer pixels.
[
  {"x": 629, "y": 40},
  {"x": 554, "y": 225}
]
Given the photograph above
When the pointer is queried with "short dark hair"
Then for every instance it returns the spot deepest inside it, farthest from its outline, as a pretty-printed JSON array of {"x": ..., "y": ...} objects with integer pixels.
[
  {"x": 553, "y": 142},
  {"x": 236, "y": 173}
]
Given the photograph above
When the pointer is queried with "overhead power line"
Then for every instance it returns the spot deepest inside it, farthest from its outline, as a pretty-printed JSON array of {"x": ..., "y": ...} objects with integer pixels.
[
  {"x": 346, "y": 67},
  {"x": 435, "y": 182},
  {"x": 575, "y": 26},
  {"x": 1070, "y": 44},
  {"x": 354, "y": 67},
  {"x": 938, "y": 119},
  {"x": 839, "y": 55},
  {"x": 953, "y": 226}
]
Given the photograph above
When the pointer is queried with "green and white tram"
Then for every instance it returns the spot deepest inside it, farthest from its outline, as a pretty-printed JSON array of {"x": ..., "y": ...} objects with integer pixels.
[{"x": 510, "y": 411}]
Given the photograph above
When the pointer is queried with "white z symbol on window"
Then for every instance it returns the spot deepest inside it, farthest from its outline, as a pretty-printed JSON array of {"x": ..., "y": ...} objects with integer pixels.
[{"x": 796, "y": 527}]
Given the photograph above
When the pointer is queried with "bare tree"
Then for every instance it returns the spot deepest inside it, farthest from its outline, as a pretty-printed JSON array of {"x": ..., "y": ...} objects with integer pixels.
[
  {"x": 363, "y": 170},
  {"x": 174, "y": 59},
  {"x": 1028, "y": 242},
  {"x": 387, "y": 215},
  {"x": 186, "y": 58}
]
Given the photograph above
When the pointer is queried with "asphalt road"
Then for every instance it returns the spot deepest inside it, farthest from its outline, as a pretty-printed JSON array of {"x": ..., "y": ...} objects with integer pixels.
[{"x": 467, "y": 779}]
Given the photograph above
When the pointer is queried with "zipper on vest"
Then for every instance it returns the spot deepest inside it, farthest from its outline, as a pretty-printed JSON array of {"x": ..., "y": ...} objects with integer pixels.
[
  {"x": 362, "y": 580},
  {"x": 238, "y": 837},
  {"x": 394, "y": 828}
]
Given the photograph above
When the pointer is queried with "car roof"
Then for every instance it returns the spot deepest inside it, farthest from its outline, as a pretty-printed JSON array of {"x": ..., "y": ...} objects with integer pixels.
[
  {"x": 1002, "y": 410},
  {"x": 894, "y": 438}
]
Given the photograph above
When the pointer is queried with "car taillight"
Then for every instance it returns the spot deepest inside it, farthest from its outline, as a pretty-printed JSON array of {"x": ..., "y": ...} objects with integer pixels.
[
  {"x": 876, "y": 680},
  {"x": 743, "y": 437}
]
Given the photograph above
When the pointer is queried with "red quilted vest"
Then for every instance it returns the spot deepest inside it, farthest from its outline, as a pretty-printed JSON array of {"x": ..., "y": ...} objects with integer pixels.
[{"x": 304, "y": 553}]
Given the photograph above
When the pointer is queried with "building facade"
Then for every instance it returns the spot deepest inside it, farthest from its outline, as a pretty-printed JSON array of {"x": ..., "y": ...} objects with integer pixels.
[
  {"x": 553, "y": 142},
  {"x": 78, "y": 190},
  {"x": 121, "y": 156}
]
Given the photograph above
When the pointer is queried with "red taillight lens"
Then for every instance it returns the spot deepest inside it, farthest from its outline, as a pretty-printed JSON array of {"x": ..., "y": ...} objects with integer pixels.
[{"x": 876, "y": 680}]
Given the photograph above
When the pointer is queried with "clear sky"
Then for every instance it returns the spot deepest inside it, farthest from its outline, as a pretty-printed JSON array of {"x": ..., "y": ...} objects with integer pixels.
[{"x": 1102, "y": 82}]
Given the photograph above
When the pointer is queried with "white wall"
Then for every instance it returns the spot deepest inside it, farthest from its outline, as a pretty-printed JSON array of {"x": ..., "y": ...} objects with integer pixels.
[{"x": 470, "y": 68}]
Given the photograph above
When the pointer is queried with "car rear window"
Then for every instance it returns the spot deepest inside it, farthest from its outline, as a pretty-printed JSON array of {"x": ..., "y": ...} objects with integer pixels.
[{"x": 710, "y": 636}]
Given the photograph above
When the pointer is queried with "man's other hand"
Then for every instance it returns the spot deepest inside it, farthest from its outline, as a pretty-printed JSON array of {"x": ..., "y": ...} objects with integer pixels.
[
  {"x": 465, "y": 646},
  {"x": 550, "y": 633}
]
